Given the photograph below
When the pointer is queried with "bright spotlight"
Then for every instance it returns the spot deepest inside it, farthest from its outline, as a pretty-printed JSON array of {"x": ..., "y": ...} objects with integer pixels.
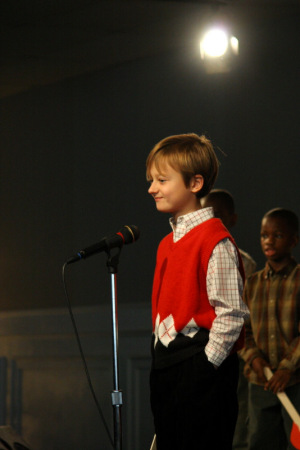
[
  {"x": 214, "y": 43},
  {"x": 217, "y": 47}
]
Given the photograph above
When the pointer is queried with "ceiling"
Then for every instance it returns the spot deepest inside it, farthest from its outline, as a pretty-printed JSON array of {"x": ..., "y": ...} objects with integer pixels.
[{"x": 45, "y": 41}]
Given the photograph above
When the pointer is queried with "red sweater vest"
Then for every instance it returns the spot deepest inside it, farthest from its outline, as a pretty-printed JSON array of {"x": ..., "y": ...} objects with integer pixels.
[{"x": 179, "y": 286}]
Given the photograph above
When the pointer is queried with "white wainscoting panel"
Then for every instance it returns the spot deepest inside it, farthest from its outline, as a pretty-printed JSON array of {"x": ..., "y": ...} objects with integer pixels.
[{"x": 44, "y": 393}]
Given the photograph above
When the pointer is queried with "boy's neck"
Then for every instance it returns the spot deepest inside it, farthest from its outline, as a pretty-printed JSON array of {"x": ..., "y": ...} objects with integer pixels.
[{"x": 277, "y": 266}]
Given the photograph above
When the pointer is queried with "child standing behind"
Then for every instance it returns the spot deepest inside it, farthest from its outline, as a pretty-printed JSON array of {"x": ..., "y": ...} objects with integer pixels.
[
  {"x": 272, "y": 333},
  {"x": 224, "y": 208},
  {"x": 223, "y": 204},
  {"x": 197, "y": 307}
]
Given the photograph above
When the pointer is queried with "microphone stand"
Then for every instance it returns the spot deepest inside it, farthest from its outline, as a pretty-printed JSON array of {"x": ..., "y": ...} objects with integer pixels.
[{"x": 116, "y": 394}]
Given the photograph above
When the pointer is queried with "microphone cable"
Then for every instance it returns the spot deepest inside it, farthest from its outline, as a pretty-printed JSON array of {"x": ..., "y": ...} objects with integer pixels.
[{"x": 83, "y": 357}]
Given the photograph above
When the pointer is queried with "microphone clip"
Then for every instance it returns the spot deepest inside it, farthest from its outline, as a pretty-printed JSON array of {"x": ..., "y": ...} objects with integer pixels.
[{"x": 113, "y": 259}]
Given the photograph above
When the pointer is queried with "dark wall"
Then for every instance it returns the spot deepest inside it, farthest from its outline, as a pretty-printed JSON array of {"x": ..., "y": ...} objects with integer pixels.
[{"x": 73, "y": 161}]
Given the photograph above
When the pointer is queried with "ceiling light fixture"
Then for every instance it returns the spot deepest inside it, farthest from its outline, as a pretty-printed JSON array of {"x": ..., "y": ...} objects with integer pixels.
[{"x": 218, "y": 47}]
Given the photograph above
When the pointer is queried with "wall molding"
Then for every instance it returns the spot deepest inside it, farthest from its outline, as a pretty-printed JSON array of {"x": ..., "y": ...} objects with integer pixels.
[{"x": 43, "y": 375}]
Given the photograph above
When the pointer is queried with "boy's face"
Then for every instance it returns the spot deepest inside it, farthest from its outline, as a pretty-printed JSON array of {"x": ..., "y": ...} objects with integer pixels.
[
  {"x": 220, "y": 211},
  {"x": 277, "y": 239},
  {"x": 170, "y": 192}
]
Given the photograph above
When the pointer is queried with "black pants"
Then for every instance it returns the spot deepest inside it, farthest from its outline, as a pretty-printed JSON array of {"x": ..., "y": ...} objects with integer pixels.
[{"x": 194, "y": 405}]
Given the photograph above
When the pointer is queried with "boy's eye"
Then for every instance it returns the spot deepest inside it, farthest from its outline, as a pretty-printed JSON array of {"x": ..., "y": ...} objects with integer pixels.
[
  {"x": 161, "y": 180},
  {"x": 263, "y": 236},
  {"x": 279, "y": 236}
]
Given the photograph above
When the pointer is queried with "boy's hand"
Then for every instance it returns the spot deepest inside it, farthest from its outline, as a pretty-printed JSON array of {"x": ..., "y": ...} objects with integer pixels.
[
  {"x": 279, "y": 381},
  {"x": 258, "y": 365}
]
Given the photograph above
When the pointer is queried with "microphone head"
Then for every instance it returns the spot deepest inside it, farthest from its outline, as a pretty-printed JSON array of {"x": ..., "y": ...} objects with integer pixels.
[{"x": 129, "y": 233}]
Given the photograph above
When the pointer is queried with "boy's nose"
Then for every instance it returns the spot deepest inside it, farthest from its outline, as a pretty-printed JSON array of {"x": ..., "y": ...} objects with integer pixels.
[{"x": 151, "y": 189}]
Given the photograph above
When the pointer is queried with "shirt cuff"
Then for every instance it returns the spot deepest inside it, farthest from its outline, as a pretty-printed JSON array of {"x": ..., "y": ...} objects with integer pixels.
[
  {"x": 286, "y": 364},
  {"x": 215, "y": 358}
]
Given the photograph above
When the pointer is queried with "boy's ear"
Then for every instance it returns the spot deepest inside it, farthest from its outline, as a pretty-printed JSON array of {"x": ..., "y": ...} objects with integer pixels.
[
  {"x": 197, "y": 183},
  {"x": 233, "y": 220}
]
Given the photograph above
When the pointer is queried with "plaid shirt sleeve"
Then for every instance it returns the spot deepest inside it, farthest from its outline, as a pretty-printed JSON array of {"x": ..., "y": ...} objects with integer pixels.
[
  {"x": 225, "y": 291},
  {"x": 250, "y": 350}
]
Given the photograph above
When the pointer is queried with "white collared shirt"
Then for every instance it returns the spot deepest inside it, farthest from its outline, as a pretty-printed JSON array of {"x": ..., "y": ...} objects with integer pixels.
[{"x": 224, "y": 288}]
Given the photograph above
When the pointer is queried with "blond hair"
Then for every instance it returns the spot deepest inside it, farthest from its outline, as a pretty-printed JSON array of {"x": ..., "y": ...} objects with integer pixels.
[{"x": 190, "y": 155}]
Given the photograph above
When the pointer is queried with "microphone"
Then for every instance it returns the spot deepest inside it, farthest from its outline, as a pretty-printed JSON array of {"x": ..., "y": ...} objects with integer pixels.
[{"x": 126, "y": 235}]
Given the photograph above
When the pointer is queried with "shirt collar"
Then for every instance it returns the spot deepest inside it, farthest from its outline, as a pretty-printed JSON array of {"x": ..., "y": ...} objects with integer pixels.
[
  {"x": 284, "y": 272},
  {"x": 186, "y": 223}
]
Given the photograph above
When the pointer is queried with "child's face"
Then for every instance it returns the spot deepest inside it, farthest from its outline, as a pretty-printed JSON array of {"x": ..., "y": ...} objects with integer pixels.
[
  {"x": 220, "y": 211},
  {"x": 277, "y": 240},
  {"x": 170, "y": 192}
]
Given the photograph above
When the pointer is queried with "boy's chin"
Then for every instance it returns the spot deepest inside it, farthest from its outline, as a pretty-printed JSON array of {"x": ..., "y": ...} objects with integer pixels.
[
  {"x": 160, "y": 208},
  {"x": 272, "y": 258}
]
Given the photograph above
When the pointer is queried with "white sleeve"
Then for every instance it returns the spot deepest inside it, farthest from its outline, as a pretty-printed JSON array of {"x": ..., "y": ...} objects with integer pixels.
[{"x": 225, "y": 290}]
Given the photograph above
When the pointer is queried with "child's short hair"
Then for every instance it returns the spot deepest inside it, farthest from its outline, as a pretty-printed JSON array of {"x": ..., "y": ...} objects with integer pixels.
[
  {"x": 224, "y": 196},
  {"x": 289, "y": 216},
  {"x": 190, "y": 154}
]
